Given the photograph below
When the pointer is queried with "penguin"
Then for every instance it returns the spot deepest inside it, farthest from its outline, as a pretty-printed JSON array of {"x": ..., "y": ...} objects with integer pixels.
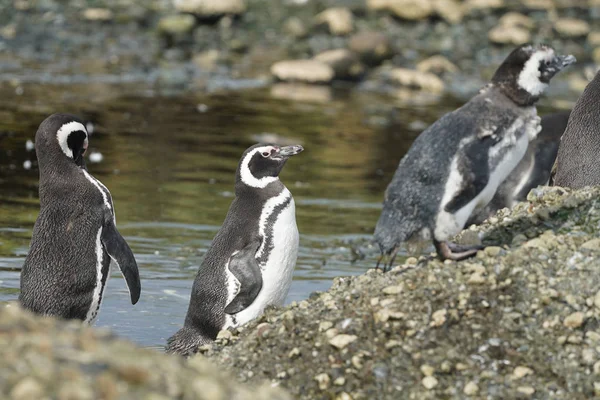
[
  {"x": 577, "y": 161},
  {"x": 74, "y": 237},
  {"x": 251, "y": 260},
  {"x": 533, "y": 170},
  {"x": 455, "y": 166}
]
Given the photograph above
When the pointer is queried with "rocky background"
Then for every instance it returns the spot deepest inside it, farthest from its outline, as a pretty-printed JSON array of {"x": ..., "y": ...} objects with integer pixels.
[{"x": 393, "y": 46}]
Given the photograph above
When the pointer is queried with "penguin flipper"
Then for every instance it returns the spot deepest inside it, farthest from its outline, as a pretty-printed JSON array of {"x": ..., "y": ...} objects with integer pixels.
[
  {"x": 244, "y": 267},
  {"x": 118, "y": 249}
]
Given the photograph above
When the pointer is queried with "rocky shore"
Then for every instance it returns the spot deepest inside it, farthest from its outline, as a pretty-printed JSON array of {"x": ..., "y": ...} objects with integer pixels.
[
  {"x": 43, "y": 358},
  {"x": 408, "y": 48},
  {"x": 521, "y": 320}
]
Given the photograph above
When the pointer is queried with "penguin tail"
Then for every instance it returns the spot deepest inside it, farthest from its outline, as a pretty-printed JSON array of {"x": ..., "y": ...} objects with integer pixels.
[{"x": 186, "y": 342}]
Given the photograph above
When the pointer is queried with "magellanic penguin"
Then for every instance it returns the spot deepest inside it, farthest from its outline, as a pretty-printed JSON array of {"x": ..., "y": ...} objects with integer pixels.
[
  {"x": 577, "y": 161},
  {"x": 251, "y": 260},
  {"x": 74, "y": 237},
  {"x": 533, "y": 170},
  {"x": 455, "y": 166}
]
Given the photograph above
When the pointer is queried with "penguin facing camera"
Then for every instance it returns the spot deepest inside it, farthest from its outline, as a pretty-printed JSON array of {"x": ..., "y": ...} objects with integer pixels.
[
  {"x": 74, "y": 237},
  {"x": 251, "y": 260},
  {"x": 454, "y": 167},
  {"x": 577, "y": 161},
  {"x": 533, "y": 170}
]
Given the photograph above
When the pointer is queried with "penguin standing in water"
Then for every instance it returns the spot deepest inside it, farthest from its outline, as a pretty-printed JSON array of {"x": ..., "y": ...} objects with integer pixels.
[
  {"x": 74, "y": 237},
  {"x": 577, "y": 161},
  {"x": 455, "y": 166},
  {"x": 533, "y": 170},
  {"x": 251, "y": 260}
]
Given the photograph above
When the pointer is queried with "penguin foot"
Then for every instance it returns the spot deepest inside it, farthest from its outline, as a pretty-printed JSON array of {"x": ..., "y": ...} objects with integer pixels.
[{"x": 453, "y": 251}]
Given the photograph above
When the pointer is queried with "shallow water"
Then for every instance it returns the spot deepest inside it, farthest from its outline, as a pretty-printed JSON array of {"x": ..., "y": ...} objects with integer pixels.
[{"x": 170, "y": 161}]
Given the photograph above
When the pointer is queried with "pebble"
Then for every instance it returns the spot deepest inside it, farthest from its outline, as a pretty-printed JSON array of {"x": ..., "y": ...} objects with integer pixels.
[
  {"x": 309, "y": 71},
  {"x": 372, "y": 47},
  {"x": 450, "y": 10},
  {"x": 210, "y": 8},
  {"x": 345, "y": 63},
  {"x": 503, "y": 34},
  {"x": 175, "y": 25},
  {"x": 471, "y": 388},
  {"x": 526, "y": 390},
  {"x": 391, "y": 290},
  {"x": 340, "y": 381},
  {"x": 476, "y": 279},
  {"x": 438, "y": 65},
  {"x": 429, "y": 382},
  {"x": 414, "y": 10},
  {"x": 294, "y": 353},
  {"x": 521, "y": 372},
  {"x": 224, "y": 334},
  {"x": 27, "y": 389},
  {"x": 325, "y": 325},
  {"x": 342, "y": 340},
  {"x": 339, "y": 20},
  {"x": 427, "y": 370},
  {"x": 417, "y": 80},
  {"x": 574, "y": 320},
  {"x": 593, "y": 244},
  {"x": 323, "y": 381},
  {"x": 438, "y": 318},
  {"x": 571, "y": 27},
  {"x": 492, "y": 251},
  {"x": 98, "y": 14}
]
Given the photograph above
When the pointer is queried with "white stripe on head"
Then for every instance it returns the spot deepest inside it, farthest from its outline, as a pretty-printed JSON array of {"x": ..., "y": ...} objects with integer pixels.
[
  {"x": 63, "y": 135},
  {"x": 529, "y": 78},
  {"x": 246, "y": 174}
]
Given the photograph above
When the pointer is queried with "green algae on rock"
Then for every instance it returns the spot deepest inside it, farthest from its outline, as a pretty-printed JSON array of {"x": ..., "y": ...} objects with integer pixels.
[
  {"x": 45, "y": 358},
  {"x": 520, "y": 319}
]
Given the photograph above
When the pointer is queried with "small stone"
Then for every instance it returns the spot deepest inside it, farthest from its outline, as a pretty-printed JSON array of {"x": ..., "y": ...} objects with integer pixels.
[
  {"x": 325, "y": 325},
  {"x": 538, "y": 4},
  {"x": 438, "y": 318},
  {"x": 340, "y": 381},
  {"x": 597, "y": 368},
  {"x": 224, "y": 334},
  {"x": 571, "y": 27},
  {"x": 516, "y": 19},
  {"x": 594, "y": 38},
  {"x": 427, "y": 370},
  {"x": 323, "y": 380},
  {"x": 98, "y": 14},
  {"x": 476, "y": 279},
  {"x": 416, "y": 80},
  {"x": 492, "y": 251},
  {"x": 339, "y": 20},
  {"x": 263, "y": 329},
  {"x": 429, "y": 382},
  {"x": 591, "y": 245},
  {"x": 471, "y": 389},
  {"x": 342, "y": 340},
  {"x": 521, "y": 372},
  {"x": 26, "y": 389},
  {"x": 526, "y": 390},
  {"x": 438, "y": 65},
  {"x": 484, "y": 4},
  {"x": 211, "y": 8},
  {"x": 343, "y": 396},
  {"x": 295, "y": 27},
  {"x": 503, "y": 34},
  {"x": 372, "y": 47},
  {"x": 413, "y": 260},
  {"x": 294, "y": 353},
  {"x": 391, "y": 290},
  {"x": 413, "y": 10},
  {"x": 176, "y": 25},
  {"x": 574, "y": 320},
  {"x": 309, "y": 71},
  {"x": 392, "y": 343},
  {"x": 357, "y": 362},
  {"x": 74, "y": 391},
  {"x": 450, "y": 10}
]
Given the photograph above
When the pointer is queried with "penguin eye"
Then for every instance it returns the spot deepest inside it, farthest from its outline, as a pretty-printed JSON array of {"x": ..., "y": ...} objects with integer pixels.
[{"x": 266, "y": 154}]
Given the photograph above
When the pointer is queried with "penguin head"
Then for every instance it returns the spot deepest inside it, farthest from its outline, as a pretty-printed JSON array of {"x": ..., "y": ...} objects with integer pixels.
[
  {"x": 262, "y": 163},
  {"x": 61, "y": 137},
  {"x": 526, "y": 72}
]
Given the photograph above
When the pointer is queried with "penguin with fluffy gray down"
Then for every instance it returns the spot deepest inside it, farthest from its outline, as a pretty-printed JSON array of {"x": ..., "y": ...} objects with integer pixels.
[{"x": 455, "y": 166}]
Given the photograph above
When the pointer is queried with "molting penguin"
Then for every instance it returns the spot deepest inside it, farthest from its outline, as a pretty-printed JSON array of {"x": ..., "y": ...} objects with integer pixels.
[
  {"x": 577, "y": 161},
  {"x": 251, "y": 260},
  {"x": 533, "y": 170},
  {"x": 455, "y": 166},
  {"x": 74, "y": 237}
]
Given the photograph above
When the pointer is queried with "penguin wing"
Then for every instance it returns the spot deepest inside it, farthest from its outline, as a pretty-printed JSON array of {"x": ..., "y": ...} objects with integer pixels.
[
  {"x": 120, "y": 252},
  {"x": 244, "y": 267}
]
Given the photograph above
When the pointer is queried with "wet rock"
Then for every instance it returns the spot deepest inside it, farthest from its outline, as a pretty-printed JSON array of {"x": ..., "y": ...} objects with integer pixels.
[
  {"x": 339, "y": 20},
  {"x": 301, "y": 92},
  {"x": 308, "y": 71},
  {"x": 416, "y": 80},
  {"x": 371, "y": 47},
  {"x": 46, "y": 358},
  {"x": 438, "y": 65},
  {"x": 344, "y": 63},
  {"x": 451, "y": 11},
  {"x": 97, "y": 14},
  {"x": 413, "y": 10},
  {"x": 295, "y": 27},
  {"x": 176, "y": 25},
  {"x": 211, "y": 8},
  {"x": 571, "y": 28}
]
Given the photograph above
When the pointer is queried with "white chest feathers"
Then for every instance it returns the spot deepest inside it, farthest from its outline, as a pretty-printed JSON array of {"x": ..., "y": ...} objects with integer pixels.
[{"x": 276, "y": 255}]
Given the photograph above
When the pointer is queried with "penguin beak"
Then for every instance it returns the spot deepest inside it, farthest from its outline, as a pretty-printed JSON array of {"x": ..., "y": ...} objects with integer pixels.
[
  {"x": 559, "y": 62},
  {"x": 288, "y": 151}
]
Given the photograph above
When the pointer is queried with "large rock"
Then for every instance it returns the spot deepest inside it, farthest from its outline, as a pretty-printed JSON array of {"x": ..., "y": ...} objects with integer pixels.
[
  {"x": 44, "y": 358},
  {"x": 177, "y": 25},
  {"x": 438, "y": 65},
  {"x": 211, "y": 8},
  {"x": 345, "y": 63},
  {"x": 451, "y": 11},
  {"x": 513, "y": 28},
  {"x": 405, "y": 9},
  {"x": 519, "y": 319},
  {"x": 571, "y": 27},
  {"x": 371, "y": 47},
  {"x": 414, "y": 79},
  {"x": 308, "y": 71},
  {"x": 339, "y": 20}
]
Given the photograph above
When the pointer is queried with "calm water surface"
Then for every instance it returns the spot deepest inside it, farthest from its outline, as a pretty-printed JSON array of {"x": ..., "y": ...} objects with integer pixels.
[{"x": 170, "y": 161}]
